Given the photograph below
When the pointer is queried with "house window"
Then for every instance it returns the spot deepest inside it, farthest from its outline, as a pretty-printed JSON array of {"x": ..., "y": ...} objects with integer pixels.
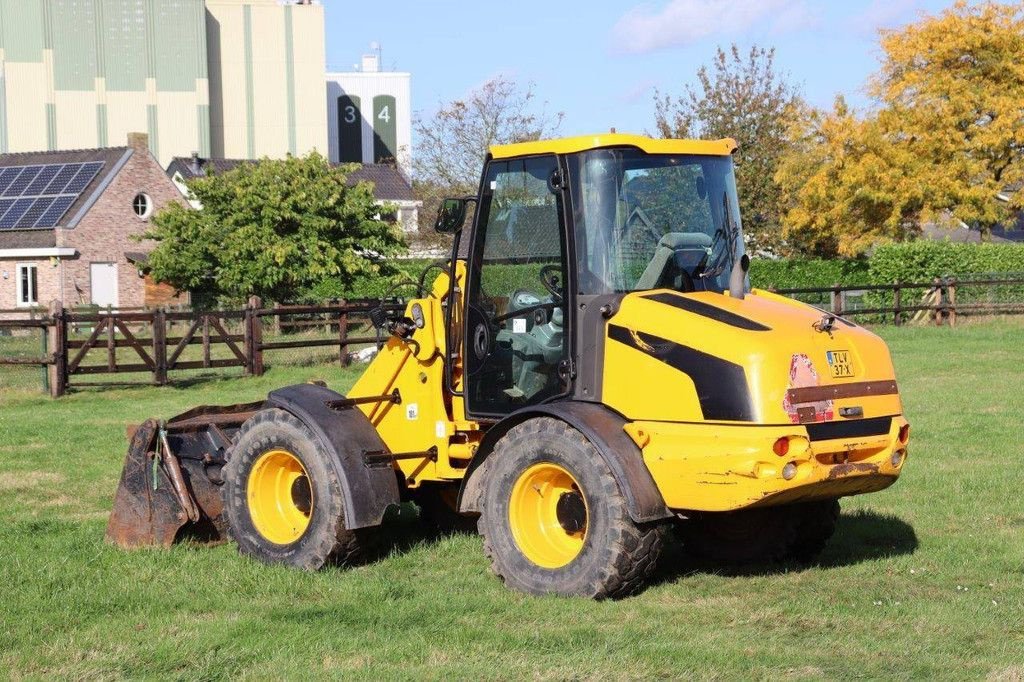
[
  {"x": 28, "y": 293},
  {"x": 142, "y": 205}
]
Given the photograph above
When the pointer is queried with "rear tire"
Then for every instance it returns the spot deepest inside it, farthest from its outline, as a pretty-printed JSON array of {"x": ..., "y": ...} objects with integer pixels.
[
  {"x": 791, "y": 532},
  {"x": 554, "y": 520},
  {"x": 283, "y": 498},
  {"x": 816, "y": 522},
  {"x": 756, "y": 535}
]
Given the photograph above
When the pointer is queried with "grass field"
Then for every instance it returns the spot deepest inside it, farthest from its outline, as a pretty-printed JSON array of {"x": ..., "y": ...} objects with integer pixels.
[{"x": 923, "y": 580}]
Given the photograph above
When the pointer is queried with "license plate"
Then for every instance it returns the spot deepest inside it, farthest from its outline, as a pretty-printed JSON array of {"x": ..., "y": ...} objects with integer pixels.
[{"x": 840, "y": 363}]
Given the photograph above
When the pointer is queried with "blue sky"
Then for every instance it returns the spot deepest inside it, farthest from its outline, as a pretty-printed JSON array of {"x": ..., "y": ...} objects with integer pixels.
[{"x": 599, "y": 62}]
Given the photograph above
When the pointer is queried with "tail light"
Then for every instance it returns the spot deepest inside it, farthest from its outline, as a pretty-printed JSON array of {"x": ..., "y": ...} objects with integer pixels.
[
  {"x": 781, "y": 447},
  {"x": 904, "y": 434}
]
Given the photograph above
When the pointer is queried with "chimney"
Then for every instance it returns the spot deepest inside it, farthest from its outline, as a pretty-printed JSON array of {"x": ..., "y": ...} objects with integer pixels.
[
  {"x": 196, "y": 165},
  {"x": 371, "y": 63},
  {"x": 138, "y": 142}
]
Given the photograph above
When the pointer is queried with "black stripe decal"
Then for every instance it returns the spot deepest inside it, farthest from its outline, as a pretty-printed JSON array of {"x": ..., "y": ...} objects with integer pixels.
[
  {"x": 721, "y": 385},
  {"x": 877, "y": 426},
  {"x": 712, "y": 312}
]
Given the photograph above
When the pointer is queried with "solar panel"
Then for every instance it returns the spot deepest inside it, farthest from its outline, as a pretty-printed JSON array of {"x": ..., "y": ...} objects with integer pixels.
[
  {"x": 38, "y": 185},
  {"x": 34, "y": 212},
  {"x": 21, "y": 183},
  {"x": 40, "y": 195},
  {"x": 55, "y": 211},
  {"x": 84, "y": 176},
  {"x": 6, "y": 176},
  {"x": 4, "y": 205},
  {"x": 15, "y": 212},
  {"x": 62, "y": 179}
]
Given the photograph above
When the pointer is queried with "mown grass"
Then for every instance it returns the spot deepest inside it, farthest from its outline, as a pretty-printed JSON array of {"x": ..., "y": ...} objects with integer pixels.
[{"x": 924, "y": 580}]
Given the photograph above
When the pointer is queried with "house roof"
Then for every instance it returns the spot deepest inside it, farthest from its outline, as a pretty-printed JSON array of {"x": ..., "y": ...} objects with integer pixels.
[
  {"x": 64, "y": 206},
  {"x": 389, "y": 183}
]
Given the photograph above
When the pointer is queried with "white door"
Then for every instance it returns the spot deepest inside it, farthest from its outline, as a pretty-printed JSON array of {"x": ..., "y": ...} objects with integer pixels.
[{"x": 104, "y": 283}]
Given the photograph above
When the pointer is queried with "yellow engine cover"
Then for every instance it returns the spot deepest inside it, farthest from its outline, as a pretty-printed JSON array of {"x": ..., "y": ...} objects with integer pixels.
[{"x": 706, "y": 357}]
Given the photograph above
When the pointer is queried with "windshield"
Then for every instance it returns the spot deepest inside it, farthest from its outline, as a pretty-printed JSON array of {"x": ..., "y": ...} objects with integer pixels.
[{"x": 654, "y": 221}]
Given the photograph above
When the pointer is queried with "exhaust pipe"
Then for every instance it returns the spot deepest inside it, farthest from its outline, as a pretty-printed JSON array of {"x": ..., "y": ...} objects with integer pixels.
[{"x": 738, "y": 276}]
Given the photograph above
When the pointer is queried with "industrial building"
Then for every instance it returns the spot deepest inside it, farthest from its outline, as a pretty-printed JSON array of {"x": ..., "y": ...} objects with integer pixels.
[
  {"x": 369, "y": 115},
  {"x": 224, "y": 78}
]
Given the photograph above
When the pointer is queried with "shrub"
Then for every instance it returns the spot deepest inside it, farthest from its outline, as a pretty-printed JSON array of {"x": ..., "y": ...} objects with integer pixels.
[
  {"x": 794, "y": 273},
  {"x": 921, "y": 261}
]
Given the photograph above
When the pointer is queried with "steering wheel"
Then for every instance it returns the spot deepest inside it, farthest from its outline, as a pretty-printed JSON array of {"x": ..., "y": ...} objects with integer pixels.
[{"x": 550, "y": 277}]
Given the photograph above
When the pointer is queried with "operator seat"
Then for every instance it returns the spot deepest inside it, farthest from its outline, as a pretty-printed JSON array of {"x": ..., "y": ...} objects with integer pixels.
[{"x": 692, "y": 246}]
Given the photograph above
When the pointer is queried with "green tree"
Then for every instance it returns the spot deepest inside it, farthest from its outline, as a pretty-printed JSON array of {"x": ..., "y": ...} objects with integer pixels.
[
  {"x": 744, "y": 97},
  {"x": 273, "y": 228}
]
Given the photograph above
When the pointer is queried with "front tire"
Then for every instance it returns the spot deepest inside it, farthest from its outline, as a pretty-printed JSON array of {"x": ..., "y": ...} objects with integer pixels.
[
  {"x": 554, "y": 520},
  {"x": 283, "y": 498}
]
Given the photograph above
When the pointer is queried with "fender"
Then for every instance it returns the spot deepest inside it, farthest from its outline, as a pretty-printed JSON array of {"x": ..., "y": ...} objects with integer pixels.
[
  {"x": 347, "y": 434},
  {"x": 603, "y": 428}
]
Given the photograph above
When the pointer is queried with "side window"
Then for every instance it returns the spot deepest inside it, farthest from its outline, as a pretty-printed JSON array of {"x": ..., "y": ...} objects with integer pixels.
[
  {"x": 27, "y": 290},
  {"x": 515, "y": 334}
]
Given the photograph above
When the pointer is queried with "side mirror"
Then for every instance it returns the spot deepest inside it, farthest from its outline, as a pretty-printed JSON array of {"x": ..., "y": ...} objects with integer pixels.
[{"x": 450, "y": 216}]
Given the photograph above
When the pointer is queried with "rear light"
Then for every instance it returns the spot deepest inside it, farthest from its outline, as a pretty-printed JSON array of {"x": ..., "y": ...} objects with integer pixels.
[
  {"x": 789, "y": 471},
  {"x": 904, "y": 433},
  {"x": 781, "y": 447},
  {"x": 897, "y": 458}
]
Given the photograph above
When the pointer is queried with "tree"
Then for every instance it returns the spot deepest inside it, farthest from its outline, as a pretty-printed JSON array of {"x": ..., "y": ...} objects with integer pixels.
[
  {"x": 951, "y": 88},
  {"x": 272, "y": 228},
  {"x": 452, "y": 142},
  {"x": 745, "y": 98},
  {"x": 945, "y": 139},
  {"x": 846, "y": 185}
]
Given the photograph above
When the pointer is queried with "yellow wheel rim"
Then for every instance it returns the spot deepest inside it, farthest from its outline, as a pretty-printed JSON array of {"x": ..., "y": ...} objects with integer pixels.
[
  {"x": 279, "y": 496},
  {"x": 548, "y": 515}
]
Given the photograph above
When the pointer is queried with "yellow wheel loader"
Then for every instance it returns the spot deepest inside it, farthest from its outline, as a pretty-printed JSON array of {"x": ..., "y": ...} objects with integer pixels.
[{"x": 588, "y": 369}]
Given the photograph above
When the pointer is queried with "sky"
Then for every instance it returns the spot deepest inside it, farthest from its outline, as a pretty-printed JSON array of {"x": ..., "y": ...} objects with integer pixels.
[{"x": 600, "y": 62}]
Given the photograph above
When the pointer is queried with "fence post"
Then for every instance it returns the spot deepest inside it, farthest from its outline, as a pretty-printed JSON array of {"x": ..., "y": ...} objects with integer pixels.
[
  {"x": 837, "y": 300},
  {"x": 951, "y": 288},
  {"x": 57, "y": 343},
  {"x": 159, "y": 326},
  {"x": 254, "y": 337},
  {"x": 896, "y": 301},
  {"x": 343, "y": 357}
]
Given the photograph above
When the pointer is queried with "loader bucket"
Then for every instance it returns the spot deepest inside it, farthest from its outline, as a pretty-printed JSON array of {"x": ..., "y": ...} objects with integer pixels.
[{"x": 171, "y": 481}]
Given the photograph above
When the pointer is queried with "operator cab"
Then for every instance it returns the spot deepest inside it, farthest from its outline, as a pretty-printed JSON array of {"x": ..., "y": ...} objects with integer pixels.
[{"x": 584, "y": 226}]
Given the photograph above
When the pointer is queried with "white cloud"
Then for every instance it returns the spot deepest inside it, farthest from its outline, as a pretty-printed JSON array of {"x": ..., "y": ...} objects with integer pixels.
[{"x": 647, "y": 28}]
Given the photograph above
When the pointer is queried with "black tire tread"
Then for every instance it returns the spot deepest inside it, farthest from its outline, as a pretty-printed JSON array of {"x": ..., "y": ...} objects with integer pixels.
[
  {"x": 342, "y": 547},
  {"x": 634, "y": 549}
]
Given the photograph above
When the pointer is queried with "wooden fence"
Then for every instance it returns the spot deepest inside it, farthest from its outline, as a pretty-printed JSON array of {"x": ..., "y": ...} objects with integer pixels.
[
  {"x": 158, "y": 343},
  {"x": 934, "y": 301}
]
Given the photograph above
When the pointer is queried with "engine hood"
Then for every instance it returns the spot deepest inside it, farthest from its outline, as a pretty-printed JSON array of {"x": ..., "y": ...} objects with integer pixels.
[{"x": 763, "y": 359}]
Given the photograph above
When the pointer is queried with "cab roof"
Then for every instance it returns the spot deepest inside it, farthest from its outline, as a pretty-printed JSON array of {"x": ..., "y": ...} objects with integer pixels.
[{"x": 569, "y": 145}]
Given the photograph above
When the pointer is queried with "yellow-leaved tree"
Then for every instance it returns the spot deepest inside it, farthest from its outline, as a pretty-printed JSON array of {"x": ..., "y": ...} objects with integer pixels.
[
  {"x": 946, "y": 137},
  {"x": 846, "y": 185}
]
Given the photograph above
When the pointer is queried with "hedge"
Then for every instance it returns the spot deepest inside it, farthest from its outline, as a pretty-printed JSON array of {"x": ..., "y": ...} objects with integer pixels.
[
  {"x": 795, "y": 273},
  {"x": 918, "y": 261},
  {"x": 922, "y": 261}
]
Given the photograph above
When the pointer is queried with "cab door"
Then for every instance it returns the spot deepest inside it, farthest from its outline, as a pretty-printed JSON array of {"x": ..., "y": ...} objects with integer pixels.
[{"x": 517, "y": 337}]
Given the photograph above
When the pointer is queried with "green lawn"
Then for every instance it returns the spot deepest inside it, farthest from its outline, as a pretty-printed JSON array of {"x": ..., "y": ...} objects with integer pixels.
[{"x": 925, "y": 579}]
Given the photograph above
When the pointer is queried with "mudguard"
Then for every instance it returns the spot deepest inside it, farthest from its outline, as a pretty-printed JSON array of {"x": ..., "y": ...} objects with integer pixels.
[
  {"x": 603, "y": 428},
  {"x": 346, "y": 433}
]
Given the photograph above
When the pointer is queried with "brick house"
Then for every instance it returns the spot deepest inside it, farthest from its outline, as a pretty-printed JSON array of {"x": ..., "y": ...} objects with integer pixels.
[{"x": 67, "y": 222}]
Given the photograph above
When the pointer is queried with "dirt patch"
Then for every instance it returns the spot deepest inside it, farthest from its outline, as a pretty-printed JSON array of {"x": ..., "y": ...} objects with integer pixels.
[
  {"x": 1015, "y": 673},
  {"x": 26, "y": 480}
]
